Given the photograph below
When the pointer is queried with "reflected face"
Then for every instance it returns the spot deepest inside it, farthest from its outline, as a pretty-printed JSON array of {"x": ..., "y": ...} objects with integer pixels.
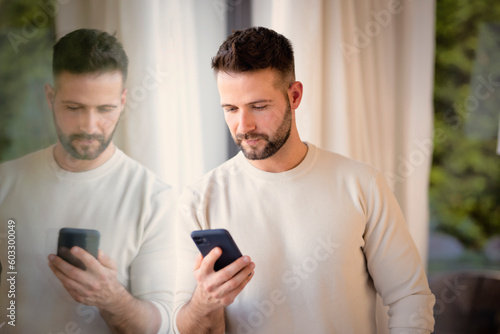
[
  {"x": 257, "y": 112},
  {"x": 86, "y": 109}
]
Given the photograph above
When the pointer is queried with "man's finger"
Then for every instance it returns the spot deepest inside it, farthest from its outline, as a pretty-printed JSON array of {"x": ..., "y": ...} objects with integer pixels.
[
  {"x": 197, "y": 263},
  {"x": 88, "y": 260},
  {"x": 208, "y": 262},
  {"x": 64, "y": 267},
  {"x": 246, "y": 280},
  {"x": 229, "y": 290},
  {"x": 76, "y": 290},
  {"x": 59, "y": 267},
  {"x": 105, "y": 260},
  {"x": 234, "y": 268},
  {"x": 239, "y": 279}
]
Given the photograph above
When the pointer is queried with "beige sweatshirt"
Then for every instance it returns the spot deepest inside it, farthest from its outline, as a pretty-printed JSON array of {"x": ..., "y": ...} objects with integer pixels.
[
  {"x": 129, "y": 206},
  {"x": 325, "y": 237}
]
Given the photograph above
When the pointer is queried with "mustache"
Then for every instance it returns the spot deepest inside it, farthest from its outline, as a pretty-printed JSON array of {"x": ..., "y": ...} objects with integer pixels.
[
  {"x": 251, "y": 136},
  {"x": 86, "y": 136}
]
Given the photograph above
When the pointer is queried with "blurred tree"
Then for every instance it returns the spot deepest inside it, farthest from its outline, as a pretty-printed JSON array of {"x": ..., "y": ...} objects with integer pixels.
[{"x": 465, "y": 176}]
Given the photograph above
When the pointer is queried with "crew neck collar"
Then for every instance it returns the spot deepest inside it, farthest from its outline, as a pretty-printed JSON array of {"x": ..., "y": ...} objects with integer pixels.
[
  {"x": 301, "y": 168},
  {"x": 82, "y": 176}
]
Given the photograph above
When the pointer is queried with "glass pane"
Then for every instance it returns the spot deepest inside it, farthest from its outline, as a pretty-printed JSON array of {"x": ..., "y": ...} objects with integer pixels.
[
  {"x": 465, "y": 176},
  {"x": 26, "y": 40}
]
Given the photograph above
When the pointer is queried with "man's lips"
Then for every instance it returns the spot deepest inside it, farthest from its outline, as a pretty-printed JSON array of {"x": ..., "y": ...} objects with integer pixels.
[
  {"x": 86, "y": 142},
  {"x": 250, "y": 138},
  {"x": 251, "y": 142}
]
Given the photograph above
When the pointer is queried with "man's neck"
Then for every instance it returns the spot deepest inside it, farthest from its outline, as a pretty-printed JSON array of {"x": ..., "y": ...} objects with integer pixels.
[{"x": 71, "y": 164}]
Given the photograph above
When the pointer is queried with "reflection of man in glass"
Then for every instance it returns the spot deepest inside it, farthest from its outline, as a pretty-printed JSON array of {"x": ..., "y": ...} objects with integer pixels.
[{"x": 84, "y": 181}]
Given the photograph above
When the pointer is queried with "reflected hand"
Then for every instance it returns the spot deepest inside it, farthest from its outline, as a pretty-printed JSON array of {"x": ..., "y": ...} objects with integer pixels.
[{"x": 96, "y": 286}]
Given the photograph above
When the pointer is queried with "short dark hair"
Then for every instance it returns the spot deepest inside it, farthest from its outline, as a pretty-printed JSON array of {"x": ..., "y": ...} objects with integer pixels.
[
  {"x": 89, "y": 51},
  {"x": 254, "y": 49}
]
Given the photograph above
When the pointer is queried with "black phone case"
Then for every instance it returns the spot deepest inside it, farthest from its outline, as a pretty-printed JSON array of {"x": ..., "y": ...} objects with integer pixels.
[
  {"x": 206, "y": 240},
  {"x": 83, "y": 238}
]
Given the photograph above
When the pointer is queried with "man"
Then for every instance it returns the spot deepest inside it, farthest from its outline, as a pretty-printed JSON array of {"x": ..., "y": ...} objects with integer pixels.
[
  {"x": 84, "y": 181},
  {"x": 325, "y": 232}
]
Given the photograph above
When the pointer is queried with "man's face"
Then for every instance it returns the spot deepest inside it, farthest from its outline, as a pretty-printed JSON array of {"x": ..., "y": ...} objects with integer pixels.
[
  {"x": 256, "y": 110},
  {"x": 86, "y": 110}
]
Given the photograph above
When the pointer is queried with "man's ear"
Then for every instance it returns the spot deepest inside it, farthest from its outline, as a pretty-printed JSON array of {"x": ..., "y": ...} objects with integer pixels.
[
  {"x": 50, "y": 95},
  {"x": 295, "y": 92}
]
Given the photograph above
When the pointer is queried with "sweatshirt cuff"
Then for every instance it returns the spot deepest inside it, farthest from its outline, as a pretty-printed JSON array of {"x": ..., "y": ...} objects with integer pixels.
[{"x": 165, "y": 321}]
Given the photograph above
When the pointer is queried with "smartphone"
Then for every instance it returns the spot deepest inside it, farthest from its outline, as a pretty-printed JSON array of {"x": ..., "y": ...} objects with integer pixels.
[
  {"x": 83, "y": 238},
  {"x": 206, "y": 240}
]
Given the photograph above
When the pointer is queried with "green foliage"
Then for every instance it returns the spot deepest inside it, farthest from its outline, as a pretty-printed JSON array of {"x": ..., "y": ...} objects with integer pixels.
[
  {"x": 26, "y": 39},
  {"x": 465, "y": 176}
]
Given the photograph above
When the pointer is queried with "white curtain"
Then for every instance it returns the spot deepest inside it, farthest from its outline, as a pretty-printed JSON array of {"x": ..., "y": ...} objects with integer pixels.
[
  {"x": 169, "y": 44},
  {"x": 367, "y": 69}
]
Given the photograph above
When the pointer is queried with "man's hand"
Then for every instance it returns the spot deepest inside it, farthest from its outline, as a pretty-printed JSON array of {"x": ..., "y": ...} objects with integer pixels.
[
  {"x": 217, "y": 290},
  {"x": 204, "y": 313},
  {"x": 98, "y": 286},
  {"x": 95, "y": 286}
]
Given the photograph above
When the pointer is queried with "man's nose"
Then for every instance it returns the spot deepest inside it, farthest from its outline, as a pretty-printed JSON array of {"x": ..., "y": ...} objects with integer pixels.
[
  {"x": 246, "y": 122},
  {"x": 88, "y": 121}
]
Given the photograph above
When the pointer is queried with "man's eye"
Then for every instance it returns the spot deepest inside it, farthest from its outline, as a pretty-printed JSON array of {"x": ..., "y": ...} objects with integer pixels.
[
  {"x": 72, "y": 108},
  {"x": 260, "y": 107},
  {"x": 230, "y": 109}
]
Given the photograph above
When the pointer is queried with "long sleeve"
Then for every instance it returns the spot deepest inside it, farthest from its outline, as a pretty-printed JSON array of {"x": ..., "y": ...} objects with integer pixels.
[
  {"x": 394, "y": 263},
  {"x": 151, "y": 272},
  {"x": 186, "y": 252}
]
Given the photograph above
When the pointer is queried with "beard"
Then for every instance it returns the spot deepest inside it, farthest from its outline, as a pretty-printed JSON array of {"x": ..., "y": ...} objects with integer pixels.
[
  {"x": 273, "y": 143},
  {"x": 85, "y": 152}
]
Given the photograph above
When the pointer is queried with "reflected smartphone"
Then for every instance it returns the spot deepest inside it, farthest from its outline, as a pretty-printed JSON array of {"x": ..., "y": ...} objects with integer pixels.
[
  {"x": 206, "y": 240},
  {"x": 83, "y": 238}
]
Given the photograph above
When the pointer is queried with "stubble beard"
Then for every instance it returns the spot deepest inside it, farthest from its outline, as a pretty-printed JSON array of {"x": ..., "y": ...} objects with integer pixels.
[
  {"x": 85, "y": 152},
  {"x": 273, "y": 144}
]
